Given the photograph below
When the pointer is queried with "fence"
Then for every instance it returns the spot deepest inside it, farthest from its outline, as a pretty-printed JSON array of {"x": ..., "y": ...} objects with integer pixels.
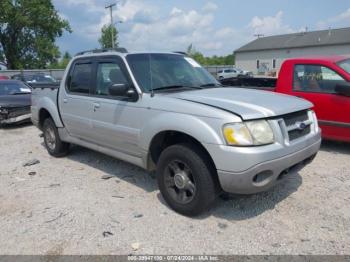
[
  {"x": 215, "y": 68},
  {"x": 56, "y": 73}
]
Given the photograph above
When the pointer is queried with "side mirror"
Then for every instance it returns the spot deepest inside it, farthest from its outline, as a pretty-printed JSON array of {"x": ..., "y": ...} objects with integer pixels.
[
  {"x": 118, "y": 89},
  {"x": 122, "y": 90},
  {"x": 343, "y": 89}
]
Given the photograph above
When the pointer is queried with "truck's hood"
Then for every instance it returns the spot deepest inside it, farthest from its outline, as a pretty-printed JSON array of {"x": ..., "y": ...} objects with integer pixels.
[{"x": 247, "y": 103}]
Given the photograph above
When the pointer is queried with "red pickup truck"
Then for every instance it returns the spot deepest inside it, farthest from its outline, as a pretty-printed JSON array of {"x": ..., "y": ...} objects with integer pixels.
[{"x": 325, "y": 81}]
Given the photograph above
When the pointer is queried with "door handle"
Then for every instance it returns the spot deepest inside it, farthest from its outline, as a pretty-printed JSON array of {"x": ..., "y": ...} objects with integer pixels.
[
  {"x": 65, "y": 100},
  {"x": 96, "y": 106}
]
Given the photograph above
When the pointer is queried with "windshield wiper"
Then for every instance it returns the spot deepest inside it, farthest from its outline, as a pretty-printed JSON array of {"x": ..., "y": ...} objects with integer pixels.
[
  {"x": 176, "y": 87},
  {"x": 20, "y": 93}
]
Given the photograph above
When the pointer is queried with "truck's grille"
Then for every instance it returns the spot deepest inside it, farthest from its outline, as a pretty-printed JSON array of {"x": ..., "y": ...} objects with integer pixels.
[
  {"x": 298, "y": 124},
  {"x": 294, "y": 134}
]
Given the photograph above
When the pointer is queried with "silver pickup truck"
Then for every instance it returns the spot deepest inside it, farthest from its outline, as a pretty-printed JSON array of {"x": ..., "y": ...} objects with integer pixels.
[{"x": 164, "y": 112}]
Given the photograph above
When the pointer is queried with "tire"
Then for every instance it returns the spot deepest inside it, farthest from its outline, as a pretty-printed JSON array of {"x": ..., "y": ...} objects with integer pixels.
[
  {"x": 54, "y": 145},
  {"x": 184, "y": 167}
]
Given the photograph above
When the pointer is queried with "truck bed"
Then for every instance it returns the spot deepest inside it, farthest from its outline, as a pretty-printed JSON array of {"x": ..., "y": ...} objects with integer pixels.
[
  {"x": 44, "y": 95},
  {"x": 251, "y": 82}
]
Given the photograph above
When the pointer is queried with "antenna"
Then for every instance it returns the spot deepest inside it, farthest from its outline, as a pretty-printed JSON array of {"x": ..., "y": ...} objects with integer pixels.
[{"x": 150, "y": 72}]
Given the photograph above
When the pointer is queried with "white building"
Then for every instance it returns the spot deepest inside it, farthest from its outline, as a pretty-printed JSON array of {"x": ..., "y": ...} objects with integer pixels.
[{"x": 265, "y": 55}]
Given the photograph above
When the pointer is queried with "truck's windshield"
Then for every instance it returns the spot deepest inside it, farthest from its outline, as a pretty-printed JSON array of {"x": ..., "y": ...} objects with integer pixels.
[
  {"x": 158, "y": 71},
  {"x": 345, "y": 64}
]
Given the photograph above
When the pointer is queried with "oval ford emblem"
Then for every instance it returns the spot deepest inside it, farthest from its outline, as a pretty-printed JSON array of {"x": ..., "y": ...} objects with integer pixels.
[{"x": 301, "y": 126}]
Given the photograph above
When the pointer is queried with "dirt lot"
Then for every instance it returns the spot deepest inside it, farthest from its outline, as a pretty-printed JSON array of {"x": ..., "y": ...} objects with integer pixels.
[{"x": 66, "y": 207}]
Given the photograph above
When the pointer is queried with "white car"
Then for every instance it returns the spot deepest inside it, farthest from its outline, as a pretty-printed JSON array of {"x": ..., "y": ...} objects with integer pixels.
[
  {"x": 228, "y": 73},
  {"x": 233, "y": 72}
]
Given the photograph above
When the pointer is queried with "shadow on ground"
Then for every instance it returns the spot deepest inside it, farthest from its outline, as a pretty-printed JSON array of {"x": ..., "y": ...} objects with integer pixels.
[
  {"x": 335, "y": 147},
  {"x": 110, "y": 166},
  {"x": 241, "y": 207},
  {"x": 16, "y": 125},
  {"x": 233, "y": 207}
]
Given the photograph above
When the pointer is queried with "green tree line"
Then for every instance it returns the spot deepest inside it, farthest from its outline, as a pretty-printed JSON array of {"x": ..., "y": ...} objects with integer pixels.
[{"x": 213, "y": 60}]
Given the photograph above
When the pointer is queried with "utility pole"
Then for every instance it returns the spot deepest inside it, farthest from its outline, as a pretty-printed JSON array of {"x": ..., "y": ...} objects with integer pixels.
[{"x": 112, "y": 24}]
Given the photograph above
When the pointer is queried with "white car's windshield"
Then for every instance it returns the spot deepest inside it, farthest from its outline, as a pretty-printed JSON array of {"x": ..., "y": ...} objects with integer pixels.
[
  {"x": 159, "y": 71},
  {"x": 13, "y": 89}
]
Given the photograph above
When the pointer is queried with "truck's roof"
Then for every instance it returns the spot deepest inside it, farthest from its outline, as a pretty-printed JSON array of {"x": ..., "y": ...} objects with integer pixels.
[
  {"x": 109, "y": 53},
  {"x": 332, "y": 58}
]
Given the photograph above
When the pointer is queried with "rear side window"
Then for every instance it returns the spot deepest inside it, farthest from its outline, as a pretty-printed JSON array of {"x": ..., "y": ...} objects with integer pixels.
[
  {"x": 80, "y": 79},
  {"x": 315, "y": 78}
]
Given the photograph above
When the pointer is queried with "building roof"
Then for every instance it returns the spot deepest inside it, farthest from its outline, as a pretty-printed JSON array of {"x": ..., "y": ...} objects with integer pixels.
[{"x": 298, "y": 40}]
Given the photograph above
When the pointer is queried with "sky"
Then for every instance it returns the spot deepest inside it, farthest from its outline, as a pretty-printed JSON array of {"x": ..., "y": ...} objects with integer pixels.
[{"x": 214, "y": 27}]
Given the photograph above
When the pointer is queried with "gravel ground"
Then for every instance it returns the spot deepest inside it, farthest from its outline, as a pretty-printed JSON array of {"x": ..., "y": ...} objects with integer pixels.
[{"x": 89, "y": 203}]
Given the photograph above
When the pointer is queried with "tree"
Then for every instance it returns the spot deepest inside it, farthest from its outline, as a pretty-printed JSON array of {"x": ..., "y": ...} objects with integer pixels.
[
  {"x": 65, "y": 60},
  {"x": 192, "y": 52},
  {"x": 62, "y": 63},
  {"x": 106, "y": 36},
  {"x": 214, "y": 60},
  {"x": 28, "y": 30}
]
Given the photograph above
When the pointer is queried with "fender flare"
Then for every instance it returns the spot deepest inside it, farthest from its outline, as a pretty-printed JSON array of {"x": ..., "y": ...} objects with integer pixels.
[
  {"x": 48, "y": 105},
  {"x": 187, "y": 124}
]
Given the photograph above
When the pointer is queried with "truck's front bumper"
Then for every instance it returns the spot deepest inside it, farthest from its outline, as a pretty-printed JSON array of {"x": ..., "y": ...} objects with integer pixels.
[{"x": 263, "y": 174}]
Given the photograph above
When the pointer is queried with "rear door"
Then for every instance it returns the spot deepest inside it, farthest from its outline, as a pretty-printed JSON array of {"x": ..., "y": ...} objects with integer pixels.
[
  {"x": 317, "y": 83},
  {"x": 75, "y": 102}
]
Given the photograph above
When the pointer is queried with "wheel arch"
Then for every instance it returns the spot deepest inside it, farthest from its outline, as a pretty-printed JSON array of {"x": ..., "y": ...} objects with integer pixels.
[
  {"x": 167, "y": 138},
  {"x": 45, "y": 113},
  {"x": 48, "y": 109}
]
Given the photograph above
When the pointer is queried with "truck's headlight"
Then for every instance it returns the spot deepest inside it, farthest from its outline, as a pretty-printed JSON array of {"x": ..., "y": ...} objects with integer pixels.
[{"x": 249, "y": 133}]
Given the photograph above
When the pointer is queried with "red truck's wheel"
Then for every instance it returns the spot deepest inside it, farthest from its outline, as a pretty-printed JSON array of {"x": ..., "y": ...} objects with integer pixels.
[{"x": 185, "y": 179}]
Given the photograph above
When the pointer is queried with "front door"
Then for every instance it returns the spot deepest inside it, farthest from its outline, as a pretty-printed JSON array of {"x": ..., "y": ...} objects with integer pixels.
[
  {"x": 114, "y": 120},
  {"x": 317, "y": 84}
]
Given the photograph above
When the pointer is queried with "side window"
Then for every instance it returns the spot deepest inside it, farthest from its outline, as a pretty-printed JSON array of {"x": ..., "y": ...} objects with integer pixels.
[
  {"x": 315, "y": 78},
  {"x": 81, "y": 77},
  {"x": 109, "y": 74}
]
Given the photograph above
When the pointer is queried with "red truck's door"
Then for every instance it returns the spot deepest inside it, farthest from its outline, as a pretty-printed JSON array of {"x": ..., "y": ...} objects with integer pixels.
[{"x": 317, "y": 83}]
